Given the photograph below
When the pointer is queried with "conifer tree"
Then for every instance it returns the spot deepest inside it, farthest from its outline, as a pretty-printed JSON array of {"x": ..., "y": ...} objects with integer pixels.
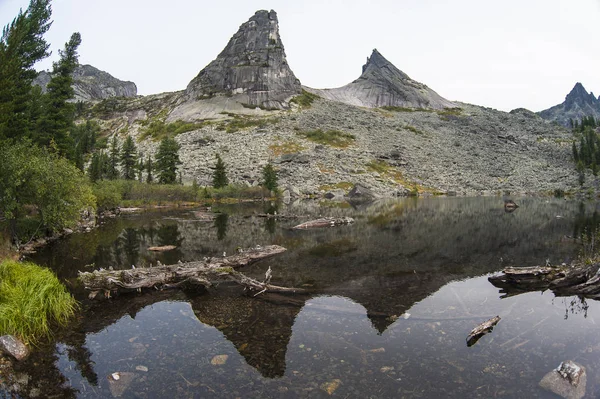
[
  {"x": 128, "y": 159},
  {"x": 112, "y": 172},
  {"x": 220, "y": 174},
  {"x": 149, "y": 167},
  {"x": 269, "y": 177},
  {"x": 95, "y": 168},
  {"x": 57, "y": 120},
  {"x": 167, "y": 161},
  {"x": 22, "y": 45}
]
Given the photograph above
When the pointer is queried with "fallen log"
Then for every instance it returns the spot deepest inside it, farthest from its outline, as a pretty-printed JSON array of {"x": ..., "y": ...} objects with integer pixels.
[
  {"x": 199, "y": 274},
  {"x": 324, "y": 222},
  {"x": 481, "y": 330},
  {"x": 581, "y": 280},
  {"x": 163, "y": 248}
]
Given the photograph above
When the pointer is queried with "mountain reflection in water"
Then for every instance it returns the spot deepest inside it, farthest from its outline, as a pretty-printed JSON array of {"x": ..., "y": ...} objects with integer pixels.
[{"x": 392, "y": 300}]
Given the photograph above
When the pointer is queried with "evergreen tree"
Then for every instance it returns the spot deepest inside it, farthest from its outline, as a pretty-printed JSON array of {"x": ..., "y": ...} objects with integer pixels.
[
  {"x": 128, "y": 159},
  {"x": 220, "y": 174},
  {"x": 167, "y": 161},
  {"x": 112, "y": 172},
  {"x": 59, "y": 114},
  {"x": 21, "y": 46},
  {"x": 149, "y": 177},
  {"x": 269, "y": 177},
  {"x": 95, "y": 168}
]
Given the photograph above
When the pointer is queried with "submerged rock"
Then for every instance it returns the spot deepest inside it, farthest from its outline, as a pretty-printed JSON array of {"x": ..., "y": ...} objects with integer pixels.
[
  {"x": 13, "y": 347},
  {"x": 568, "y": 380}
]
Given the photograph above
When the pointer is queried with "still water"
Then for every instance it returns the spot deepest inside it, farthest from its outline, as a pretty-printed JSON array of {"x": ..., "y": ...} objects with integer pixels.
[{"x": 394, "y": 297}]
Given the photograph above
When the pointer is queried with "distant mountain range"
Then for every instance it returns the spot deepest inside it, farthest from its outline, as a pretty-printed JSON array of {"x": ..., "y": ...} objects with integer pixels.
[{"x": 577, "y": 104}]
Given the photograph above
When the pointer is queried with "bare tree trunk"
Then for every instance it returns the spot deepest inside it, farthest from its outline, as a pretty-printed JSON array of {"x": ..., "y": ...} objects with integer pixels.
[{"x": 200, "y": 274}]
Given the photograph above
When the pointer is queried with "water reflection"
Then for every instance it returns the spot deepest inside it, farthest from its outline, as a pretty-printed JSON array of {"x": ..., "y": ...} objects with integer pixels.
[
  {"x": 221, "y": 225},
  {"x": 392, "y": 300}
]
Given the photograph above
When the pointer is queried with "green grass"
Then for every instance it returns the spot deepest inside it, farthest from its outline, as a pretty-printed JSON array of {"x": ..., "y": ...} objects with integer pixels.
[
  {"x": 334, "y": 138},
  {"x": 305, "y": 99},
  {"x": 414, "y": 130},
  {"x": 448, "y": 112},
  {"x": 31, "y": 300},
  {"x": 159, "y": 129}
]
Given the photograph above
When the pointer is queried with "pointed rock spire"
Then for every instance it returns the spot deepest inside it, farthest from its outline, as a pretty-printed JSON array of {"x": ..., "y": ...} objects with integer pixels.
[
  {"x": 578, "y": 103},
  {"x": 252, "y": 65},
  {"x": 382, "y": 84}
]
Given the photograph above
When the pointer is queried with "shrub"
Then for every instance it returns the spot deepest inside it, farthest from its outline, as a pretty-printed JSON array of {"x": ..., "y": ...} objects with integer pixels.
[
  {"x": 31, "y": 299},
  {"x": 334, "y": 138},
  {"x": 159, "y": 129}
]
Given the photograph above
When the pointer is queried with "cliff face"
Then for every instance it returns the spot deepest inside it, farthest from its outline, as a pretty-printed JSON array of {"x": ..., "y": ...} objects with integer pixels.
[
  {"x": 382, "y": 84},
  {"x": 91, "y": 83},
  {"x": 578, "y": 103},
  {"x": 253, "y": 65}
]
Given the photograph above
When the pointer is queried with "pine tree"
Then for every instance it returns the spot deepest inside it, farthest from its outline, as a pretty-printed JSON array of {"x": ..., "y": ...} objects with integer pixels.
[
  {"x": 95, "y": 168},
  {"x": 149, "y": 177},
  {"x": 128, "y": 159},
  {"x": 112, "y": 172},
  {"x": 269, "y": 177},
  {"x": 167, "y": 161},
  {"x": 220, "y": 174},
  {"x": 21, "y": 46},
  {"x": 59, "y": 114}
]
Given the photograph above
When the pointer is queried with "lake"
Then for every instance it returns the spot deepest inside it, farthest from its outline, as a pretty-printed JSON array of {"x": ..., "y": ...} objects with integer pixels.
[{"x": 393, "y": 298}]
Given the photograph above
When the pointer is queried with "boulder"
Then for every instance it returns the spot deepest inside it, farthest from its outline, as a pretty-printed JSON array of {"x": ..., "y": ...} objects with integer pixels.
[
  {"x": 360, "y": 193},
  {"x": 568, "y": 380},
  {"x": 13, "y": 347}
]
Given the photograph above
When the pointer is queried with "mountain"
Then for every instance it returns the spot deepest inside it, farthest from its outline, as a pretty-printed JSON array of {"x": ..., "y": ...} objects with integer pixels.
[
  {"x": 91, "y": 83},
  {"x": 382, "y": 84},
  {"x": 252, "y": 67},
  {"x": 577, "y": 104}
]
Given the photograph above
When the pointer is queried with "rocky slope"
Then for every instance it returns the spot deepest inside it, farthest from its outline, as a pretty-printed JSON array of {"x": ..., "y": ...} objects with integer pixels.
[
  {"x": 382, "y": 84},
  {"x": 252, "y": 66},
  {"x": 91, "y": 83},
  {"x": 577, "y": 104}
]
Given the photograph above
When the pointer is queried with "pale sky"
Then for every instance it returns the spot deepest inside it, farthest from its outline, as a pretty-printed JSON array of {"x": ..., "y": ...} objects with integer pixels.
[{"x": 500, "y": 54}]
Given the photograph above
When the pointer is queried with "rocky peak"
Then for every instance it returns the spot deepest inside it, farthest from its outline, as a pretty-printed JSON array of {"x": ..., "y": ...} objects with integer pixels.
[
  {"x": 91, "y": 83},
  {"x": 579, "y": 95},
  {"x": 382, "y": 84},
  {"x": 578, "y": 103},
  {"x": 252, "y": 65}
]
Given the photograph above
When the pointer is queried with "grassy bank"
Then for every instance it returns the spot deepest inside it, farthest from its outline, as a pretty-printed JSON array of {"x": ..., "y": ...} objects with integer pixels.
[
  {"x": 32, "y": 299},
  {"x": 112, "y": 193}
]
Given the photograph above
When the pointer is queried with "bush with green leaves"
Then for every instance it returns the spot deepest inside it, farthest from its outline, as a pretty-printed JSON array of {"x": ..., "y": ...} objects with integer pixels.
[{"x": 37, "y": 178}]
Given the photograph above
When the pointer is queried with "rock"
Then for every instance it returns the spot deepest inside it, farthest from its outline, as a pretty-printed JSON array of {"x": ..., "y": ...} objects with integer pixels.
[
  {"x": 142, "y": 368},
  {"x": 295, "y": 158},
  {"x": 331, "y": 386},
  {"x": 360, "y": 193},
  {"x": 382, "y": 84},
  {"x": 119, "y": 381},
  {"x": 91, "y": 83},
  {"x": 568, "y": 380},
  {"x": 13, "y": 347},
  {"x": 578, "y": 103},
  {"x": 253, "y": 65},
  {"x": 219, "y": 360}
]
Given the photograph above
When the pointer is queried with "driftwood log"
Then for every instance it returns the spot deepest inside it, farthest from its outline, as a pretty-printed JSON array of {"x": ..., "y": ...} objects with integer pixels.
[
  {"x": 200, "y": 274},
  {"x": 324, "y": 222},
  {"x": 481, "y": 330},
  {"x": 576, "y": 280}
]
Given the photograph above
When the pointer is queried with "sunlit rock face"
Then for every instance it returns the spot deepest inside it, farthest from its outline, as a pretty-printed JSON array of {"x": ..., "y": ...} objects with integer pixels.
[
  {"x": 382, "y": 84},
  {"x": 578, "y": 103},
  {"x": 253, "y": 64},
  {"x": 90, "y": 84}
]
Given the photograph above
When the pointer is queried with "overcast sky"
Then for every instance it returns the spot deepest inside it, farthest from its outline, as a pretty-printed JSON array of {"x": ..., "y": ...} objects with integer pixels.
[{"x": 501, "y": 54}]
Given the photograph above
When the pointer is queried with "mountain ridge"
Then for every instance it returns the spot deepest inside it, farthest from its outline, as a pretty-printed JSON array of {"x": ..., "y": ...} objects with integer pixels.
[{"x": 578, "y": 103}]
